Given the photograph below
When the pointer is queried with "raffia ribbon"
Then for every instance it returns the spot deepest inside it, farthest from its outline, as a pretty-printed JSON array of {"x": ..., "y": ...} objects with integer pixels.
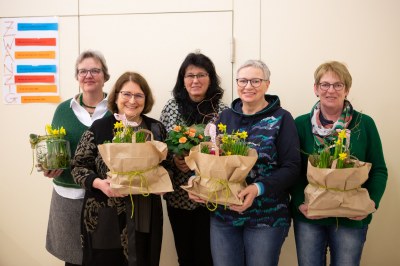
[
  {"x": 143, "y": 182},
  {"x": 217, "y": 182},
  {"x": 333, "y": 188}
]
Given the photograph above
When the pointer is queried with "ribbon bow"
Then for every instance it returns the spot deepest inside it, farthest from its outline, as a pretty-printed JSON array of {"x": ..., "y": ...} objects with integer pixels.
[{"x": 125, "y": 120}]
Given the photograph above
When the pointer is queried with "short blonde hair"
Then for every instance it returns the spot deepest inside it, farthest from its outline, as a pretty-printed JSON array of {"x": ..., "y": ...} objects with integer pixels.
[{"x": 336, "y": 67}]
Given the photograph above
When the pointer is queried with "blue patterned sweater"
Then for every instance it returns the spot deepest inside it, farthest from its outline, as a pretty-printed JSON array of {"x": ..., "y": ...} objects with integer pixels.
[{"x": 273, "y": 134}]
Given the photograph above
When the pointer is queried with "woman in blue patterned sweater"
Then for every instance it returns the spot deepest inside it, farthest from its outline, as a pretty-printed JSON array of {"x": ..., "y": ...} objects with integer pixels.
[{"x": 252, "y": 234}]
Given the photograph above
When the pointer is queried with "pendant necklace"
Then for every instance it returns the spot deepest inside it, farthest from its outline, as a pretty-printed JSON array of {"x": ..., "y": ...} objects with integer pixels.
[{"x": 83, "y": 104}]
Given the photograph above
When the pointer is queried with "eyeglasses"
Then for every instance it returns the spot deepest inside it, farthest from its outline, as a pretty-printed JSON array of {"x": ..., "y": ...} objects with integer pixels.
[
  {"x": 242, "y": 82},
  {"x": 127, "y": 96},
  {"x": 338, "y": 86},
  {"x": 198, "y": 76},
  {"x": 94, "y": 72}
]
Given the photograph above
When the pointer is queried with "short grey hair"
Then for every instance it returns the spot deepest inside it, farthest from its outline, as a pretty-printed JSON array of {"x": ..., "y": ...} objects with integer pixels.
[
  {"x": 96, "y": 55},
  {"x": 256, "y": 64}
]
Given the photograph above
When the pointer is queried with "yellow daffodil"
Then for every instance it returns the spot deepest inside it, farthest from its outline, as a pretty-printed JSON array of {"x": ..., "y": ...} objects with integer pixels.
[
  {"x": 342, "y": 134},
  {"x": 118, "y": 125},
  {"x": 336, "y": 150},
  {"x": 233, "y": 144},
  {"x": 222, "y": 127},
  {"x": 55, "y": 154},
  {"x": 48, "y": 129},
  {"x": 342, "y": 156},
  {"x": 243, "y": 135},
  {"x": 63, "y": 131}
]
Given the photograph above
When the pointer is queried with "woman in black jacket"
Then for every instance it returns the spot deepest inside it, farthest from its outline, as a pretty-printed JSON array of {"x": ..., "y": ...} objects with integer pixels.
[{"x": 110, "y": 236}]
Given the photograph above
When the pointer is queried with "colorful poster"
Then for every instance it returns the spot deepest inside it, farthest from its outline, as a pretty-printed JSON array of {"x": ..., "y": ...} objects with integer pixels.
[{"x": 29, "y": 55}]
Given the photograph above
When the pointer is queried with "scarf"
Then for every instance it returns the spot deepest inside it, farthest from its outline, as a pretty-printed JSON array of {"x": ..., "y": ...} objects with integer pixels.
[{"x": 325, "y": 135}]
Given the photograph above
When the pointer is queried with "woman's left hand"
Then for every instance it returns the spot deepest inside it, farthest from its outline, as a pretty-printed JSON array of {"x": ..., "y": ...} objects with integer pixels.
[
  {"x": 359, "y": 218},
  {"x": 247, "y": 195}
]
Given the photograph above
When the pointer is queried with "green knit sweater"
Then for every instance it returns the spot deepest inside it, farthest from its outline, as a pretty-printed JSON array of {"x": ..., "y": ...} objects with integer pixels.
[
  {"x": 65, "y": 116},
  {"x": 365, "y": 145}
]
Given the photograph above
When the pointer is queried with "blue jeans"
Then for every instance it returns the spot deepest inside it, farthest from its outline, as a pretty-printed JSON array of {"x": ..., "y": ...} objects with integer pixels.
[
  {"x": 246, "y": 245},
  {"x": 312, "y": 241}
]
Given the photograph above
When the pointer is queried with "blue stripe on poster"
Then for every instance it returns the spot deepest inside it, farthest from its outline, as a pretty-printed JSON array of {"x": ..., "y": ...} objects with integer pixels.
[
  {"x": 37, "y": 26},
  {"x": 36, "y": 69}
]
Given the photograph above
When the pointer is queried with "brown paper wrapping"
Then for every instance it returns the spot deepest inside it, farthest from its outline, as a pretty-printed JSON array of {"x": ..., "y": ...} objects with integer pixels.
[
  {"x": 338, "y": 192},
  {"x": 218, "y": 179},
  {"x": 134, "y": 167}
]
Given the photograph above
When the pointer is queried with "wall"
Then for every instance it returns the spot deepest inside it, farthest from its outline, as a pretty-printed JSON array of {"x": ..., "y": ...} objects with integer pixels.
[{"x": 152, "y": 37}]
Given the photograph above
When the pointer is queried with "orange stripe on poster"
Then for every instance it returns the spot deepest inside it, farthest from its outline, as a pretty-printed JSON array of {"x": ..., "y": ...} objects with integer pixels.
[
  {"x": 36, "y": 88},
  {"x": 34, "y": 79},
  {"x": 35, "y": 55},
  {"x": 40, "y": 99},
  {"x": 35, "y": 41}
]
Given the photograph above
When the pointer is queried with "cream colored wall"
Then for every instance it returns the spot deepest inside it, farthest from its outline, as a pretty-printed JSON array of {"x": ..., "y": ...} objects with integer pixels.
[{"x": 292, "y": 37}]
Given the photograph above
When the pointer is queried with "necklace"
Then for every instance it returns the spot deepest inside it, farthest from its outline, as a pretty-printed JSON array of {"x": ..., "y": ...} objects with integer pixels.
[{"x": 84, "y": 105}]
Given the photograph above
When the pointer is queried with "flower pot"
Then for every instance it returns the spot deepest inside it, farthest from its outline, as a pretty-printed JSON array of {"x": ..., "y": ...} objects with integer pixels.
[{"x": 53, "y": 153}]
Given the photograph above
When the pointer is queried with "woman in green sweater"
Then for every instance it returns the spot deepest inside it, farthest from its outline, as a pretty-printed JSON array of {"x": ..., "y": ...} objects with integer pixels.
[
  {"x": 75, "y": 115},
  {"x": 345, "y": 237}
]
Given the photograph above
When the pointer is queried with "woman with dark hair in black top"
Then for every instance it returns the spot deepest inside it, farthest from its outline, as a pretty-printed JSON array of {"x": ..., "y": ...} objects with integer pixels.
[{"x": 196, "y": 100}]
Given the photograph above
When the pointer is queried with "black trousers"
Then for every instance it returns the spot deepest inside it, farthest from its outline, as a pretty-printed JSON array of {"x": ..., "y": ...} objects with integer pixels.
[
  {"x": 191, "y": 229},
  {"x": 144, "y": 249}
]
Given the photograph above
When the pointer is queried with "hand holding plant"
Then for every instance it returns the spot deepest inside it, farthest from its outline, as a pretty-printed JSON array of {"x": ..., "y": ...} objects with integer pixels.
[
  {"x": 219, "y": 179},
  {"x": 52, "y": 150},
  {"x": 335, "y": 182}
]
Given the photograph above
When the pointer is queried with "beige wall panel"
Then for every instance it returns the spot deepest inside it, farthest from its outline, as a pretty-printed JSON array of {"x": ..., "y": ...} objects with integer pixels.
[
  {"x": 30, "y": 8},
  {"x": 151, "y": 6},
  {"x": 246, "y": 34},
  {"x": 25, "y": 201},
  {"x": 69, "y": 51},
  {"x": 156, "y": 44},
  {"x": 298, "y": 36}
]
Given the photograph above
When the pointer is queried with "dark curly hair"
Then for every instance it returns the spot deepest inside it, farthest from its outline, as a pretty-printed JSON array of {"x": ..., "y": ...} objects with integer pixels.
[{"x": 192, "y": 112}]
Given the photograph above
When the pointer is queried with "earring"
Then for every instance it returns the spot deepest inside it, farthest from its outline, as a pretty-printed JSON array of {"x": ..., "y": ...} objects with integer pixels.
[{"x": 317, "y": 95}]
